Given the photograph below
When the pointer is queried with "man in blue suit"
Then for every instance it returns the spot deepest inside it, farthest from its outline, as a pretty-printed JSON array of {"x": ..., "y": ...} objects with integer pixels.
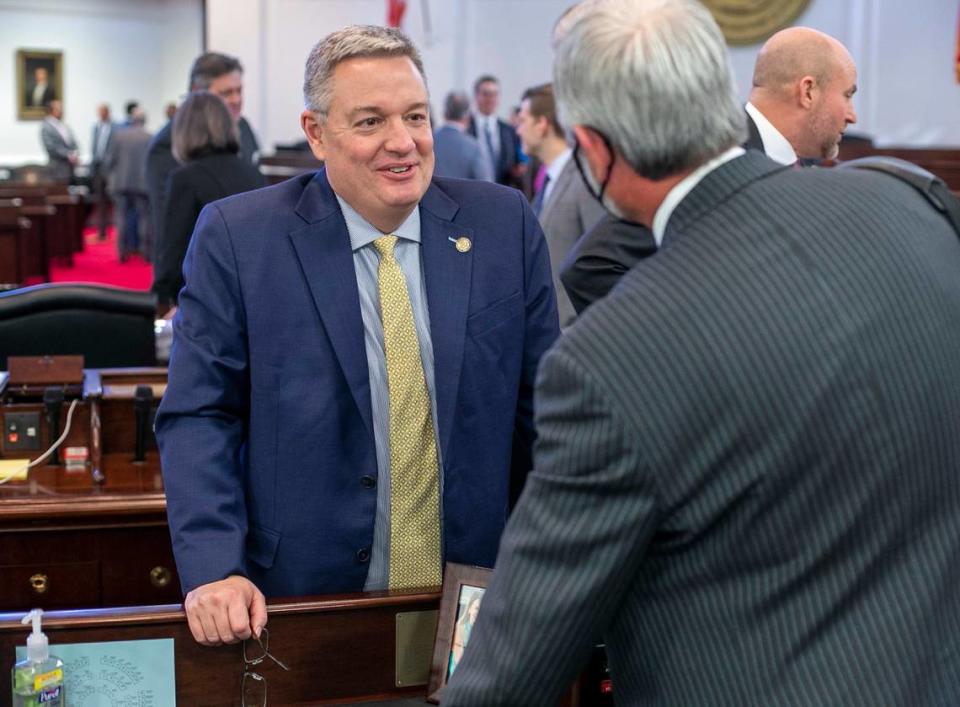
[{"x": 326, "y": 429}]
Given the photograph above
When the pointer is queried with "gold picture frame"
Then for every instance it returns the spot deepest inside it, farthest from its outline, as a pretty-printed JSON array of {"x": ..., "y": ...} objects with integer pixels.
[{"x": 34, "y": 65}]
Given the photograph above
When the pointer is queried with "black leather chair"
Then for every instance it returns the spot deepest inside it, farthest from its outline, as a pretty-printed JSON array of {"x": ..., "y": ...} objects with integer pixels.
[{"x": 108, "y": 326}]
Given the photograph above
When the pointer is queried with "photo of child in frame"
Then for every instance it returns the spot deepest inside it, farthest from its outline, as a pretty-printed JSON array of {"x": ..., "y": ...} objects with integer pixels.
[{"x": 468, "y": 606}]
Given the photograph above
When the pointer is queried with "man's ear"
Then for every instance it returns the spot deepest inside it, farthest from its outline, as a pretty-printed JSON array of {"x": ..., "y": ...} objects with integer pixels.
[
  {"x": 313, "y": 129},
  {"x": 543, "y": 125},
  {"x": 594, "y": 149},
  {"x": 806, "y": 90}
]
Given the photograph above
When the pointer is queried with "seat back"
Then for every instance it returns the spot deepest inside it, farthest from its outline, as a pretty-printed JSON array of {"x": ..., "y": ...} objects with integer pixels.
[{"x": 108, "y": 326}]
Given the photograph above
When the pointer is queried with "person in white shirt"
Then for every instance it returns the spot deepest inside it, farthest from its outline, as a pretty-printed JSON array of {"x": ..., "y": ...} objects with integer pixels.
[{"x": 802, "y": 96}]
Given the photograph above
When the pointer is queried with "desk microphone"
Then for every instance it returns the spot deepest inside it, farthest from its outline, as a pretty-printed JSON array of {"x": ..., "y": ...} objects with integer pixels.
[
  {"x": 52, "y": 402},
  {"x": 142, "y": 400}
]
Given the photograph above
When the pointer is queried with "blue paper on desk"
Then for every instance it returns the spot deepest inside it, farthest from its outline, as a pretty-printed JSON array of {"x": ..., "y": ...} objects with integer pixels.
[{"x": 129, "y": 673}]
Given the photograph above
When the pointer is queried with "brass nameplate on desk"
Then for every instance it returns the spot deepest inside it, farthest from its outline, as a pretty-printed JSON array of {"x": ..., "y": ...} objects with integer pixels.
[
  {"x": 416, "y": 631},
  {"x": 34, "y": 370}
]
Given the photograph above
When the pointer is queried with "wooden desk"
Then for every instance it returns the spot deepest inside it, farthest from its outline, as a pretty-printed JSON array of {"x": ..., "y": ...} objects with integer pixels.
[
  {"x": 68, "y": 540},
  {"x": 67, "y": 543},
  {"x": 339, "y": 648}
]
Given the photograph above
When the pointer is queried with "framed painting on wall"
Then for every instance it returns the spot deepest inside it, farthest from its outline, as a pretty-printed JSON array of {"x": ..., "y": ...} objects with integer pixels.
[{"x": 39, "y": 81}]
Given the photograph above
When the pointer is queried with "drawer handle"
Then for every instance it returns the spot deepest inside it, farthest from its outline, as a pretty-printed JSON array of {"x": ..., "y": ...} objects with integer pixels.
[
  {"x": 160, "y": 577},
  {"x": 40, "y": 583}
]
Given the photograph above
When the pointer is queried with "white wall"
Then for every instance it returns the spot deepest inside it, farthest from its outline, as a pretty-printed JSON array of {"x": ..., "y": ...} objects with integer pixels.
[
  {"x": 904, "y": 51},
  {"x": 113, "y": 51}
]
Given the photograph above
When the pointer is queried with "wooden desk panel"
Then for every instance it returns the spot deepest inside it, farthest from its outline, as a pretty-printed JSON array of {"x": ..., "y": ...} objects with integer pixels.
[
  {"x": 71, "y": 539},
  {"x": 339, "y": 648},
  {"x": 116, "y": 533}
]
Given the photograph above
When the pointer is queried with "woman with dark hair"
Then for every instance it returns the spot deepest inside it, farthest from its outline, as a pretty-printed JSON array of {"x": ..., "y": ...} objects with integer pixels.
[{"x": 205, "y": 142}]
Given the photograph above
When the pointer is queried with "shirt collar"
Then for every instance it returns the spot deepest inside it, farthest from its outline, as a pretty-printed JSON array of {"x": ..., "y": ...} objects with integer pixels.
[
  {"x": 777, "y": 147},
  {"x": 485, "y": 119},
  {"x": 363, "y": 233},
  {"x": 684, "y": 187},
  {"x": 556, "y": 167}
]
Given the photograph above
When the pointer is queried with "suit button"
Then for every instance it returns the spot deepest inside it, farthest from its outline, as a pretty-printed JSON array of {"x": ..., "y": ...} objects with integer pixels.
[
  {"x": 368, "y": 482},
  {"x": 363, "y": 555}
]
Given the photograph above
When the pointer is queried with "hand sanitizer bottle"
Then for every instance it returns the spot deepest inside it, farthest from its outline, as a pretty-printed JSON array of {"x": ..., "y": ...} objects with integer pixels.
[{"x": 38, "y": 680}]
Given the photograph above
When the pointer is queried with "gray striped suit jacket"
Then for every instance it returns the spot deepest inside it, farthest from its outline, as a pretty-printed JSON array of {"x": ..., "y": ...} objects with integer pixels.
[{"x": 747, "y": 475}]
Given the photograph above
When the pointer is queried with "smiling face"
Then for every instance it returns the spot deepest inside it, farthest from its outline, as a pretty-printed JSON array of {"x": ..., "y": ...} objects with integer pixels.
[{"x": 376, "y": 140}]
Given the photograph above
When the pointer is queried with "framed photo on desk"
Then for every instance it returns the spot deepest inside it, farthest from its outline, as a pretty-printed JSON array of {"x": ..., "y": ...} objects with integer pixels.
[
  {"x": 463, "y": 588},
  {"x": 39, "y": 80}
]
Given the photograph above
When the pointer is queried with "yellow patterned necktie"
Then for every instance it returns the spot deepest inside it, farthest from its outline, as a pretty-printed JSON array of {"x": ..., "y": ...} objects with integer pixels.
[{"x": 414, "y": 477}]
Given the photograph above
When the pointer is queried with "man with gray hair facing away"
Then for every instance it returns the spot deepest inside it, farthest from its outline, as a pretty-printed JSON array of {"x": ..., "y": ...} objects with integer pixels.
[
  {"x": 459, "y": 154},
  {"x": 801, "y": 102},
  {"x": 350, "y": 392},
  {"x": 745, "y": 477}
]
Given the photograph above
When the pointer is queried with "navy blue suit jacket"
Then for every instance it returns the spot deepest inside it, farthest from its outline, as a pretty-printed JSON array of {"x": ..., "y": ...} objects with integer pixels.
[{"x": 265, "y": 429}]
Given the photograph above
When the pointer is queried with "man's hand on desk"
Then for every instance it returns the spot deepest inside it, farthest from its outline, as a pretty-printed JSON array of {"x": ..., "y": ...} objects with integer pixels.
[{"x": 225, "y": 611}]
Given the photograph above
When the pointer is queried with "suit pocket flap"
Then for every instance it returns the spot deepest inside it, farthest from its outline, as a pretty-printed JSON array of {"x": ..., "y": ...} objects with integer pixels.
[
  {"x": 492, "y": 316},
  {"x": 262, "y": 546}
]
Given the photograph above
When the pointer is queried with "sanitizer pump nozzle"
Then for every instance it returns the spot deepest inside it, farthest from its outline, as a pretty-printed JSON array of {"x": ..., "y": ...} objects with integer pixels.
[{"x": 38, "y": 647}]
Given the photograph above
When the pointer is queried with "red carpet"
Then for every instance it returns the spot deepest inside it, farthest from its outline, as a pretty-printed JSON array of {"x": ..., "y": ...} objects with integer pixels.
[{"x": 99, "y": 263}]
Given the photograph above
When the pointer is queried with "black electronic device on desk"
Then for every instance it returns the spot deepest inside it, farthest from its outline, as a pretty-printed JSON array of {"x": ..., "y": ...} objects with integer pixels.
[{"x": 82, "y": 510}]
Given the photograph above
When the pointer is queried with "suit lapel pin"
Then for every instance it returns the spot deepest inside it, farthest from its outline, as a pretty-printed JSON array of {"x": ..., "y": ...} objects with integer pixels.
[{"x": 462, "y": 243}]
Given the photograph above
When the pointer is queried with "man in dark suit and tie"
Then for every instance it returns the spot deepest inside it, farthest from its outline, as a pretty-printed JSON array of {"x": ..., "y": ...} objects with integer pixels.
[
  {"x": 799, "y": 107},
  {"x": 457, "y": 153},
  {"x": 745, "y": 477},
  {"x": 350, "y": 389},
  {"x": 497, "y": 137}
]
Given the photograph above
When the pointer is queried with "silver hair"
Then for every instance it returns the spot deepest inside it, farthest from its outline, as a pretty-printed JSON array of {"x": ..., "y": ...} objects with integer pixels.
[
  {"x": 349, "y": 43},
  {"x": 654, "y": 77}
]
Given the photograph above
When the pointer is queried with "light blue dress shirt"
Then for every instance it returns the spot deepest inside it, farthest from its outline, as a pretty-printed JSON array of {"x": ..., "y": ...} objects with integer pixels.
[{"x": 366, "y": 262}]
